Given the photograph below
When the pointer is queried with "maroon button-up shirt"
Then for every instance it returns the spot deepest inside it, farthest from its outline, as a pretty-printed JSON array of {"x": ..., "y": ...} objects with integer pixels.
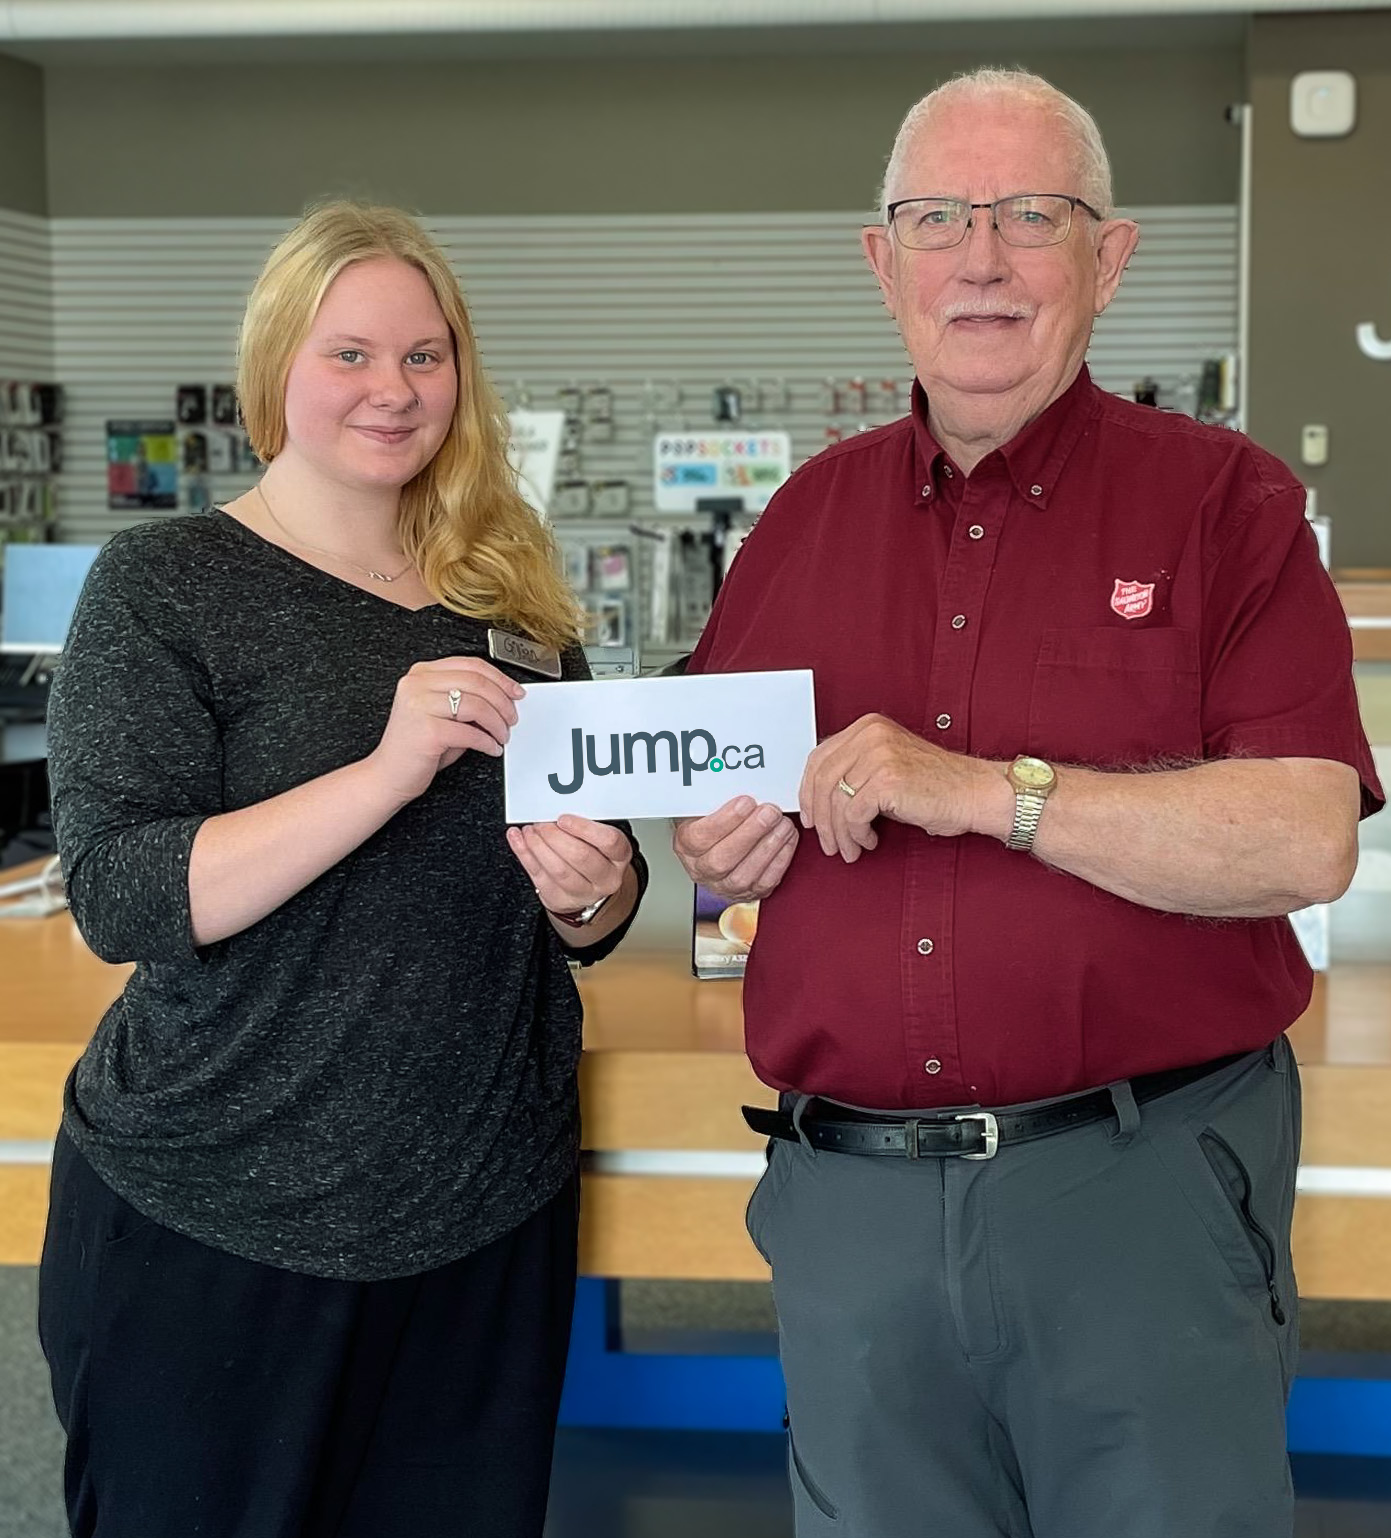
[{"x": 1115, "y": 587}]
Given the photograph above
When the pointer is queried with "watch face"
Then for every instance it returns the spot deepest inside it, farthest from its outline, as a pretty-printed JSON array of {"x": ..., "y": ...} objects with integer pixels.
[{"x": 1033, "y": 773}]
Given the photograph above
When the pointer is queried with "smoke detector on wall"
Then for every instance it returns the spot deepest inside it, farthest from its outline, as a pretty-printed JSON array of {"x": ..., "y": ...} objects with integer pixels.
[{"x": 1323, "y": 103}]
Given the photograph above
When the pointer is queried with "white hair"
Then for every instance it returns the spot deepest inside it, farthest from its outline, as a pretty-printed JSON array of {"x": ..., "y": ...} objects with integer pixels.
[{"x": 1093, "y": 166}]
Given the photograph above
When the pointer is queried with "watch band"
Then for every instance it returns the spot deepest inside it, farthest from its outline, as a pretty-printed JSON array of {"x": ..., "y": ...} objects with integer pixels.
[
  {"x": 1028, "y": 809},
  {"x": 577, "y": 918}
]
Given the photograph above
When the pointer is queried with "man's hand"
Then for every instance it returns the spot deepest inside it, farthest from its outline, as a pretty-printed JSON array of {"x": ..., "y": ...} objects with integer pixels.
[
  {"x": 897, "y": 775},
  {"x": 740, "y": 852}
]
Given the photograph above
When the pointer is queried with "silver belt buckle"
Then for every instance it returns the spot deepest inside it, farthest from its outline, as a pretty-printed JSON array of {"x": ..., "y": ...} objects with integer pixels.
[{"x": 990, "y": 1131}]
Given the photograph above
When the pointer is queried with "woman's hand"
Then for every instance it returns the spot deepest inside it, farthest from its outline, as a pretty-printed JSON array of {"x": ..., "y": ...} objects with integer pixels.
[
  {"x": 740, "y": 852},
  {"x": 442, "y": 710},
  {"x": 573, "y": 862}
]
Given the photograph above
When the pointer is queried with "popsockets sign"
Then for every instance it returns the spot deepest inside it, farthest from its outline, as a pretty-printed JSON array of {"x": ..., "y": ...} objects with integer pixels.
[
  {"x": 659, "y": 747},
  {"x": 690, "y": 467}
]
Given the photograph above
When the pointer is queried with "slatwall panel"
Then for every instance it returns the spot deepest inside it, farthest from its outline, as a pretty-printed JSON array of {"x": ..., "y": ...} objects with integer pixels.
[
  {"x": 26, "y": 298},
  {"x": 142, "y": 306},
  {"x": 1178, "y": 302}
]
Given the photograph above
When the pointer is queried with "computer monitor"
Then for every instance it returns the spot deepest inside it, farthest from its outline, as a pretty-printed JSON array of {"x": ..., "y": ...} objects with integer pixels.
[{"x": 41, "y": 586}]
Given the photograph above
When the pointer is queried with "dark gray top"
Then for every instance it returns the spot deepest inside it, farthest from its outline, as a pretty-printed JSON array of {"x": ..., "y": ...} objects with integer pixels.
[{"x": 379, "y": 1076}]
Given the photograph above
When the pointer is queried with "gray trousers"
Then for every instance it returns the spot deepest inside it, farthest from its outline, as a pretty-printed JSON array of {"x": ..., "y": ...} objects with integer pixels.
[{"x": 1088, "y": 1336}]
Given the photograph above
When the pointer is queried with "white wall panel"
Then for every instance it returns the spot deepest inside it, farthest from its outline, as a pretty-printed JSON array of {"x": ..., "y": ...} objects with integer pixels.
[
  {"x": 26, "y": 298},
  {"x": 142, "y": 306}
]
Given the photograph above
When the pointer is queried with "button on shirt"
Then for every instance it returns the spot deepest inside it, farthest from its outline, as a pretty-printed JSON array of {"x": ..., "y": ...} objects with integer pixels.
[{"x": 1136, "y": 589}]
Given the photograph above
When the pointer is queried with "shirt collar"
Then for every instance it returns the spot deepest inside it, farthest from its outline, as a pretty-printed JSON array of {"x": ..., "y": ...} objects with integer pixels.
[{"x": 1033, "y": 458}]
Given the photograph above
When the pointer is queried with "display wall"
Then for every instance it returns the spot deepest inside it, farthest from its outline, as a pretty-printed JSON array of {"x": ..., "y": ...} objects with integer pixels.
[
  {"x": 788, "y": 129},
  {"x": 26, "y": 297},
  {"x": 1321, "y": 265},
  {"x": 657, "y": 311},
  {"x": 624, "y": 221}
]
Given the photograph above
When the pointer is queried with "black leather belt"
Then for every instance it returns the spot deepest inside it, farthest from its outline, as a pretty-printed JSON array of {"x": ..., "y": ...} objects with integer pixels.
[{"x": 963, "y": 1134}]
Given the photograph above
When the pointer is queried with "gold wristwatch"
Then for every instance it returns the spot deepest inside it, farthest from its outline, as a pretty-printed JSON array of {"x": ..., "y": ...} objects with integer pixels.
[{"x": 1033, "y": 782}]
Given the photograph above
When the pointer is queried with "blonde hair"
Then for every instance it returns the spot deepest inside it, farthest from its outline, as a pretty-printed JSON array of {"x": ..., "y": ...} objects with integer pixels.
[
  {"x": 480, "y": 548},
  {"x": 1093, "y": 165}
]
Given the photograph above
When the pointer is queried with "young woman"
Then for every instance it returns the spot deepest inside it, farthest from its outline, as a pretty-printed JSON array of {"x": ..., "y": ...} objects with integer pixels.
[{"x": 311, "y": 1251}]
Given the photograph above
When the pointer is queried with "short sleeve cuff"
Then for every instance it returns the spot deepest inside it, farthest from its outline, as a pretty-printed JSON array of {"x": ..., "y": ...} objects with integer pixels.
[{"x": 1267, "y": 742}]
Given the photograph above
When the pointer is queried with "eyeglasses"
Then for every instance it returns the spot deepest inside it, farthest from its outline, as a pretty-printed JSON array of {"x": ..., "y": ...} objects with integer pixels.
[{"x": 1029, "y": 219}]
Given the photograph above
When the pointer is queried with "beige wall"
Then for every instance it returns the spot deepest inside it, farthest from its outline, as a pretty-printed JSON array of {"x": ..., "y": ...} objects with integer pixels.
[
  {"x": 23, "y": 182},
  {"x": 586, "y": 135},
  {"x": 1321, "y": 263}
]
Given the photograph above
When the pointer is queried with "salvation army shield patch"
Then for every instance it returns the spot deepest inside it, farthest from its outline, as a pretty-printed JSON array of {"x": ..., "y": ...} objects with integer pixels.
[{"x": 1132, "y": 600}]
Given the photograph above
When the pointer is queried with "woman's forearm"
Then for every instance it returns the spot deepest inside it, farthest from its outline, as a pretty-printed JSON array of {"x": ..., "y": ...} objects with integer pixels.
[
  {"x": 615, "y": 912},
  {"x": 245, "y": 864}
]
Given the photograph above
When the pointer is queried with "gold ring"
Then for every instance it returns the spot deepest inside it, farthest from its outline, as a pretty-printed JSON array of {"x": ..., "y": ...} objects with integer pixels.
[
  {"x": 455, "y": 696},
  {"x": 848, "y": 789}
]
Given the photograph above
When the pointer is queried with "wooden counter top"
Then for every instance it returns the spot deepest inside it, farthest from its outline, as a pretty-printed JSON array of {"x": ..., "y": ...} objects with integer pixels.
[
  {"x": 1367, "y": 604},
  {"x": 664, "y": 1070},
  {"x": 653, "y": 1035},
  {"x": 53, "y": 991}
]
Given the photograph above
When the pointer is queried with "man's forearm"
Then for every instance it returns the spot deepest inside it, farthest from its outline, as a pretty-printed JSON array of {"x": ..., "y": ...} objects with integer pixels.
[{"x": 1236, "y": 838}]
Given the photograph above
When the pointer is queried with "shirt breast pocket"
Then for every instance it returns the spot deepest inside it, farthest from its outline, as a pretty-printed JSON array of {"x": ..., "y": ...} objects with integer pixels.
[{"x": 1109, "y": 697}]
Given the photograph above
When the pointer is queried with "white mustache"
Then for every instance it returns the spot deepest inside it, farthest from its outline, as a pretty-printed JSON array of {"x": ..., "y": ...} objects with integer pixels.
[{"x": 961, "y": 309}]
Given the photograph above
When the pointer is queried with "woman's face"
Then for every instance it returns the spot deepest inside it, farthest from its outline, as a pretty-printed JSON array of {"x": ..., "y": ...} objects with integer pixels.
[{"x": 372, "y": 391}]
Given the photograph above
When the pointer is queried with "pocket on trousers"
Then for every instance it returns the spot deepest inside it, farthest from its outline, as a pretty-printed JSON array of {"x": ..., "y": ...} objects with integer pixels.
[
  {"x": 809, "y": 1486},
  {"x": 1217, "y": 1186},
  {"x": 138, "y": 1227},
  {"x": 125, "y": 1224},
  {"x": 765, "y": 1194},
  {"x": 1235, "y": 1180}
]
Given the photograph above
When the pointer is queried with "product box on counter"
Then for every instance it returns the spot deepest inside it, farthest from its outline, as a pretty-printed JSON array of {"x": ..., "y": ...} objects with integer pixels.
[{"x": 721, "y": 934}]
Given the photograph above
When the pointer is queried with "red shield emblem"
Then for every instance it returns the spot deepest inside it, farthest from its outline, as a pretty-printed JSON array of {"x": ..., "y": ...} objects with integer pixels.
[{"x": 1132, "y": 600}]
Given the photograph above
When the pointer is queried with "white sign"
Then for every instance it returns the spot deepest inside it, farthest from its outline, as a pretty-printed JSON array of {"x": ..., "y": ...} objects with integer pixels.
[
  {"x": 659, "y": 747},
  {"x": 689, "y": 467},
  {"x": 1370, "y": 342},
  {"x": 1311, "y": 929},
  {"x": 534, "y": 452}
]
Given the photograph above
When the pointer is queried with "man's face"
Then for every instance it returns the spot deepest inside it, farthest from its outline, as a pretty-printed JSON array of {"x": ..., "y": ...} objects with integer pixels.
[{"x": 1004, "y": 325}]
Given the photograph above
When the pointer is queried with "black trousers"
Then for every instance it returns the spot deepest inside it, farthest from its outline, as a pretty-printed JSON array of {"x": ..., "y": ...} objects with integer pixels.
[{"x": 206, "y": 1396}]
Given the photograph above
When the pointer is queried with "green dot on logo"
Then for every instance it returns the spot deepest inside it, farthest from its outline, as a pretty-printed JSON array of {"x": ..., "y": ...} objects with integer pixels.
[{"x": 717, "y": 763}]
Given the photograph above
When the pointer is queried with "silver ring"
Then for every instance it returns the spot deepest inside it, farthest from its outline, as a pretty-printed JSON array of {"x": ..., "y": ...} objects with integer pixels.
[
  {"x": 455, "y": 696},
  {"x": 848, "y": 789}
]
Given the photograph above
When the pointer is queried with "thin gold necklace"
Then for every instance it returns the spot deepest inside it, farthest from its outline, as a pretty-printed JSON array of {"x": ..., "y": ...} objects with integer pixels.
[{"x": 376, "y": 576}]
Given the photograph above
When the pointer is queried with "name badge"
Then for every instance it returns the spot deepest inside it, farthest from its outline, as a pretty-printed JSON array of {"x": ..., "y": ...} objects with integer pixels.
[{"x": 503, "y": 646}]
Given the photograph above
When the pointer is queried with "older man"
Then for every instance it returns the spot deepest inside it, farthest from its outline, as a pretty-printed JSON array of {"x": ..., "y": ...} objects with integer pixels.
[{"x": 1023, "y": 971}]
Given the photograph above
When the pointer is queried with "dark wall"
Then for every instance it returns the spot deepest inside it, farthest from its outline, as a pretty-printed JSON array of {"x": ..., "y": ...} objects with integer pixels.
[
  {"x": 23, "y": 178},
  {"x": 1321, "y": 263},
  {"x": 616, "y": 135}
]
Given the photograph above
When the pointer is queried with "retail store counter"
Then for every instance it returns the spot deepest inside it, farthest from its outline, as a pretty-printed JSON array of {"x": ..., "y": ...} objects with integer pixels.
[
  {"x": 670, "y": 1162},
  {"x": 662, "y": 1080},
  {"x": 1368, "y": 607}
]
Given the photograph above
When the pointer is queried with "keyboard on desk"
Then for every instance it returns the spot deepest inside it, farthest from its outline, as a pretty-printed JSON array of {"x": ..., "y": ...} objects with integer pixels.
[{"x": 21, "y": 700}]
